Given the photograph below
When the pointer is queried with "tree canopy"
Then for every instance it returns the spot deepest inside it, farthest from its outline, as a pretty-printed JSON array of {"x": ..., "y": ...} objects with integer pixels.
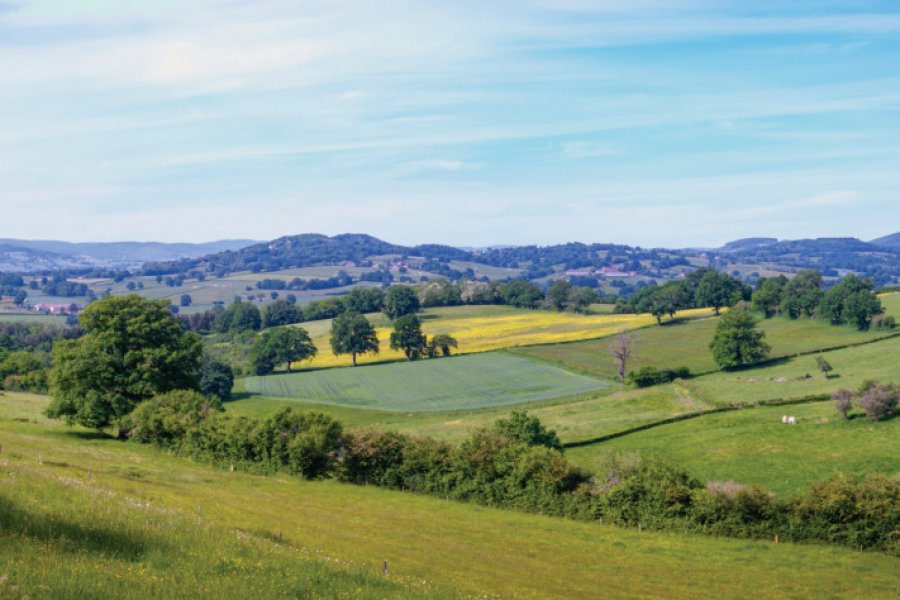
[
  {"x": 408, "y": 337},
  {"x": 353, "y": 334},
  {"x": 400, "y": 300},
  {"x": 281, "y": 346},
  {"x": 737, "y": 341},
  {"x": 133, "y": 349}
]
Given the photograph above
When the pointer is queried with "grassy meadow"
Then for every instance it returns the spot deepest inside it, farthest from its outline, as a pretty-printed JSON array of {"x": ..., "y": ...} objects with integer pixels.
[
  {"x": 797, "y": 377},
  {"x": 685, "y": 343},
  {"x": 575, "y": 418},
  {"x": 456, "y": 383},
  {"x": 754, "y": 446},
  {"x": 132, "y": 521}
]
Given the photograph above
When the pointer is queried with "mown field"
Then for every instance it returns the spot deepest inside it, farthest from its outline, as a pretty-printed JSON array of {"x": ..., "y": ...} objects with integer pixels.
[
  {"x": 485, "y": 328},
  {"x": 754, "y": 446},
  {"x": 454, "y": 383},
  {"x": 131, "y": 521},
  {"x": 575, "y": 418}
]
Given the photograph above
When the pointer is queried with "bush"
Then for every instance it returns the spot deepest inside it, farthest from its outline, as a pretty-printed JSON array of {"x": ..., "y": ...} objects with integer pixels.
[
  {"x": 879, "y": 401},
  {"x": 165, "y": 419},
  {"x": 648, "y": 376},
  {"x": 859, "y": 512},
  {"x": 843, "y": 401},
  {"x": 735, "y": 510},
  {"x": 528, "y": 430},
  {"x": 884, "y": 322}
]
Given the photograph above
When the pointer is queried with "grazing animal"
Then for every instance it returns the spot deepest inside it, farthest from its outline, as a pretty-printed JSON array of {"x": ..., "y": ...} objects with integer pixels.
[
  {"x": 792, "y": 420},
  {"x": 784, "y": 419}
]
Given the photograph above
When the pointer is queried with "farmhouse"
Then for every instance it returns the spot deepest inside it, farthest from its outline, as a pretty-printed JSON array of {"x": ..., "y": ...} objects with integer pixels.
[
  {"x": 613, "y": 272},
  {"x": 58, "y": 309}
]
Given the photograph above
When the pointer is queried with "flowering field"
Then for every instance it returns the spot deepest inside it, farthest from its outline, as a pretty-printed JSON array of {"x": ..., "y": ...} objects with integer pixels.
[{"x": 481, "y": 329}]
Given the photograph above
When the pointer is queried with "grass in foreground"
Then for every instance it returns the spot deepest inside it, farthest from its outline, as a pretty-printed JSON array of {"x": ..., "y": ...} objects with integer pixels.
[
  {"x": 754, "y": 446},
  {"x": 455, "y": 383},
  {"x": 168, "y": 526}
]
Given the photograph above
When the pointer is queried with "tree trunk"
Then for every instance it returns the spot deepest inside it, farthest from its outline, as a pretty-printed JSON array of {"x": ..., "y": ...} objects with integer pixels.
[{"x": 353, "y": 356}]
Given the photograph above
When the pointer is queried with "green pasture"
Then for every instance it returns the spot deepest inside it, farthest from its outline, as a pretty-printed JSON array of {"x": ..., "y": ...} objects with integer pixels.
[
  {"x": 798, "y": 377},
  {"x": 132, "y": 521},
  {"x": 454, "y": 383},
  {"x": 574, "y": 418},
  {"x": 686, "y": 343},
  {"x": 32, "y": 318},
  {"x": 753, "y": 446}
]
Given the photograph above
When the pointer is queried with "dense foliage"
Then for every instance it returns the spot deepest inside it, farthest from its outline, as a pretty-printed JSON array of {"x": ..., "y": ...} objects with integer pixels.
[
  {"x": 737, "y": 341},
  {"x": 133, "y": 349},
  {"x": 517, "y": 464}
]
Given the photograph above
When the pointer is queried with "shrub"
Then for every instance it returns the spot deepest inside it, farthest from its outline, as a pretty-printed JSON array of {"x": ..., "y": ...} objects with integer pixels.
[
  {"x": 373, "y": 456},
  {"x": 879, "y": 401},
  {"x": 648, "y": 376},
  {"x": 166, "y": 418},
  {"x": 843, "y": 401},
  {"x": 860, "y": 512},
  {"x": 528, "y": 430},
  {"x": 884, "y": 322}
]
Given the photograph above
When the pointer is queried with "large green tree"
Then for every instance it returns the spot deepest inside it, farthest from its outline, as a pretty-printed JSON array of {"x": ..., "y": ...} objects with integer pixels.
[
  {"x": 279, "y": 346},
  {"x": 281, "y": 312},
  {"x": 133, "y": 349},
  {"x": 400, "y": 300},
  {"x": 558, "y": 294},
  {"x": 353, "y": 334},
  {"x": 716, "y": 289},
  {"x": 408, "y": 337},
  {"x": 737, "y": 341}
]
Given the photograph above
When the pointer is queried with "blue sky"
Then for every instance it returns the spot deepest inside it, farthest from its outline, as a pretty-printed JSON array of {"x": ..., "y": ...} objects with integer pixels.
[{"x": 659, "y": 123}]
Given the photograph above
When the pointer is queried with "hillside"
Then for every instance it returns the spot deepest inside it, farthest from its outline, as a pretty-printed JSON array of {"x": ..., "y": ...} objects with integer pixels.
[
  {"x": 46, "y": 255},
  {"x": 129, "y": 521},
  {"x": 891, "y": 241}
]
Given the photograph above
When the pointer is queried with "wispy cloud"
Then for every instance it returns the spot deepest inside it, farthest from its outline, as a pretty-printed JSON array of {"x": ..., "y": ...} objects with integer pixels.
[{"x": 673, "y": 118}]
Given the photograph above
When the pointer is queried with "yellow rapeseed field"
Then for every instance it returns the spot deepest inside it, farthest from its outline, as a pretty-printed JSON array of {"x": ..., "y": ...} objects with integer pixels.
[{"x": 495, "y": 332}]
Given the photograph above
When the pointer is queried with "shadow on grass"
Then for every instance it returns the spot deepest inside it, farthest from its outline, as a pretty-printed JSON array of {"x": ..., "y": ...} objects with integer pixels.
[{"x": 70, "y": 536}]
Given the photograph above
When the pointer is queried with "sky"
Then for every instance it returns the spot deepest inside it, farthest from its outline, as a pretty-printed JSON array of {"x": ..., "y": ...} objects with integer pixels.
[{"x": 646, "y": 122}]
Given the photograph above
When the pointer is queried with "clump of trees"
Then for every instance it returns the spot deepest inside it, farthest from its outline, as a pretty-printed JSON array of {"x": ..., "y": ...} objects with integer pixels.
[
  {"x": 850, "y": 302},
  {"x": 701, "y": 288}
]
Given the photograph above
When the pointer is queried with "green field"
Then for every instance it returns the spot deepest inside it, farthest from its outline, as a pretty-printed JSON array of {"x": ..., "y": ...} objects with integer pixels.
[
  {"x": 131, "y": 521},
  {"x": 582, "y": 417},
  {"x": 686, "y": 343},
  {"x": 788, "y": 379},
  {"x": 455, "y": 383},
  {"x": 32, "y": 318},
  {"x": 754, "y": 446}
]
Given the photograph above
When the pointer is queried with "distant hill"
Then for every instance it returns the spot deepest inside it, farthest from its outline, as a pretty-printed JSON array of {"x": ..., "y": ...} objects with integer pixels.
[
  {"x": 19, "y": 259},
  {"x": 891, "y": 241},
  {"x": 747, "y": 243},
  {"x": 41, "y": 255}
]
